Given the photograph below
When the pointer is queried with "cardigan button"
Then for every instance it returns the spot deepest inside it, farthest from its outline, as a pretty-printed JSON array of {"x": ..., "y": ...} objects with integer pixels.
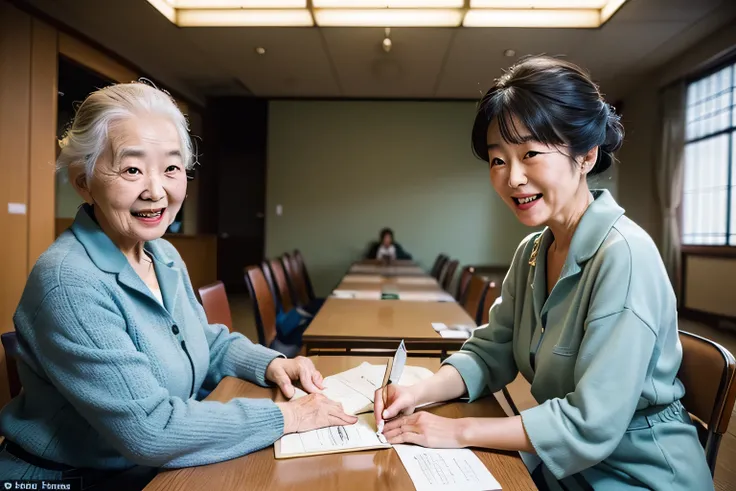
[{"x": 175, "y": 329}]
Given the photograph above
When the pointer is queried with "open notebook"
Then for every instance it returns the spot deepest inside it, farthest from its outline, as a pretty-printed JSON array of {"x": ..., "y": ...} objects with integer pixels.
[{"x": 353, "y": 388}]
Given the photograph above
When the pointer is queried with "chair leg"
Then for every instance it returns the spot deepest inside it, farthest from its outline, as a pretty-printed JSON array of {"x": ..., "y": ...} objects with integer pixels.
[{"x": 711, "y": 451}]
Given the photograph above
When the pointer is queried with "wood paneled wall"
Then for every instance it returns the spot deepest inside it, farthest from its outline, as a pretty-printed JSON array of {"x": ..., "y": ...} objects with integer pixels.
[{"x": 28, "y": 91}]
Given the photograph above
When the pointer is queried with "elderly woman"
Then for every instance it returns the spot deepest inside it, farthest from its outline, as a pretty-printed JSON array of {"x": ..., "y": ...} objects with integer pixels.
[
  {"x": 114, "y": 346},
  {"x": 586, "y": 314}
]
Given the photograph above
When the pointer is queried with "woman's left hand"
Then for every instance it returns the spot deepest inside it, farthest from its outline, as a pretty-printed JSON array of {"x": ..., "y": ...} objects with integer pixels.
[
  {"x": 425, "y": 429},
  {"x": 282, "y": 371}
]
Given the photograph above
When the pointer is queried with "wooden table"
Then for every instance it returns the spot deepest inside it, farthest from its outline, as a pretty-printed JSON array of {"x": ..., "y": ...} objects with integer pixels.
[
  {"x": 357, "y": 471},
  {"x": 387, "y": 269},
  {"x": 399, "y": 283},
  {"x": 348, "y": 325}
]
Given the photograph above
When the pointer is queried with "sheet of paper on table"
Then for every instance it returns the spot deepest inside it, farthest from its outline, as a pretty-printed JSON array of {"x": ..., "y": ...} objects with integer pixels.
[
  {"x": 355, "y": 388},
  {"x": 456, "y": 331},
  {"x": 418, "y": 296},
  {"x": 415, "y": 280},
  {"x": 453, "y": 469},
  {"x": 334, "y": 439},
  {"x": 363, "y": 278},
  {"x": 357, "y": 294}
]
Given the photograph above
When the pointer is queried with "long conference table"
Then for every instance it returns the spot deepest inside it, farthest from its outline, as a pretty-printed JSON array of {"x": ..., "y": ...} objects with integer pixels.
[
  {"x": 356, "y": 317},
  {"x": 364, "y": 326}
]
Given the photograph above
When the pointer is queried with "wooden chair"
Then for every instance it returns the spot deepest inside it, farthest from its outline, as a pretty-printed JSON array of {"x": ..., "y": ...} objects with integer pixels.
[
  {"x": 12, "y": 351},
  {"x": 301, "y": 266},
  {"x": 494, "y": 291},
  {"x": 268, "y": 274},
  {"x": 216, "y": 305},
  {"x": 300, "y": 296},
  {"x": 265, "y": 312},
  {"x": 463, "y": 281},
  {"x": 475, "y": 296},
  {"x": 707, "y": 372},
  {"x": 449, "y": 274},
  {"x": 437, "y": 267},
  {"x": 281, "y": 285}
]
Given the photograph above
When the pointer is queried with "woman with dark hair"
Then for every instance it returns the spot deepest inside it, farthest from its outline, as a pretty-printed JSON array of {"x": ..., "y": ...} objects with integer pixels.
[
  {"x": 387, "y": 248},
  {"x": 587, "y": 313}
]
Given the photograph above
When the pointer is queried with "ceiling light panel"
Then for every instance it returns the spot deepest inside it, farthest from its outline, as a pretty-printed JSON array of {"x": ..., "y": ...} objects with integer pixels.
[
  {"x": 611, "y": 8},
  {"x": 239, "y": 4},
  {"x": 389, "y": 17},
  {"x": 166, "y": 10},
  {"x": 533, "y": 18},
  {"x": 398, "y": 4},
  {"x": 243, "y": 17},
  {"x": 538, "y": 4}
]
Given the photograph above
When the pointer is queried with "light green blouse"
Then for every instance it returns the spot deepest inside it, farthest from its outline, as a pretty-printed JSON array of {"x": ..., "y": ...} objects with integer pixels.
[{"x": 601, "y": 354}]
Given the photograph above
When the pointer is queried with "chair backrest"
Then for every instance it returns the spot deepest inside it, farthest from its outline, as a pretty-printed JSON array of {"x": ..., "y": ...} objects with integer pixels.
[
  {"x": 296, "y": 280},
  {"x": 443, "y": 272},
  {"x": 462, "y": 283},
  {"x": 268, "y": 274},
  {"x": 493, "y": 292},
  {"x": 707, "y": 372},
  {"x": 473, "y": 302},
  {"x": 216, "y": 305},
  {"x": 10, "y": 344},
  {"x": 264, "y": 307},
  {"x": 437, "y": 266},
  {"x": 303, "y": 268},
  {"x": 449, "y": 274},
  {"x": 281, "y": 285}
]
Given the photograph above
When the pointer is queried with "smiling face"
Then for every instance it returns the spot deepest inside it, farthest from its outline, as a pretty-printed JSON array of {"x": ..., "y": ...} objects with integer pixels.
[
  {"x": 539, "y": 182},
  {"x": 139, "y": 182}
]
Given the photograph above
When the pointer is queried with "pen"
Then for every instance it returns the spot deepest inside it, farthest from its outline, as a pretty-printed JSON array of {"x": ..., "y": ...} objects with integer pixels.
[{"x": 383, "y": 398}]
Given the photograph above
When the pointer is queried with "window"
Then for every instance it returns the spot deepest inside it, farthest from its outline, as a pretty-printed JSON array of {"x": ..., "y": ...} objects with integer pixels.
[{"x": 709, "y": 204}]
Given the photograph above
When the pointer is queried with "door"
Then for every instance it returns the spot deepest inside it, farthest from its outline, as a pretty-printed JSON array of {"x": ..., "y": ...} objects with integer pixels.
[{"x": 238, "y": 147}]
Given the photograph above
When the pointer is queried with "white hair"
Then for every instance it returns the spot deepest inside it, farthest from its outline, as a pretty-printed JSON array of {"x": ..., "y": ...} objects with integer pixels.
[{"x": 87, "y": 138}]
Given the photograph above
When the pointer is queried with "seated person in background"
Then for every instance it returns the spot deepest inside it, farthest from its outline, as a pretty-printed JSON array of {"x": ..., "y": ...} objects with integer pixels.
[
  {"x": 114, "y": 345},
  {"x": 386, "y": 248}
]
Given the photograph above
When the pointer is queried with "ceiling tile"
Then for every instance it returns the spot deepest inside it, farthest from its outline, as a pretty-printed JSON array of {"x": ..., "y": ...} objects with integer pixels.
[
  {"x": 476, "y": 58},
  {"x": 295, "y": 62},
  {"x": 410, "y": 69}
]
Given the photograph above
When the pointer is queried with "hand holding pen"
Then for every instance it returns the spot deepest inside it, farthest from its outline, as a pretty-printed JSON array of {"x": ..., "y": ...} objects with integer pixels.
[{"x": 392, "y": 400}]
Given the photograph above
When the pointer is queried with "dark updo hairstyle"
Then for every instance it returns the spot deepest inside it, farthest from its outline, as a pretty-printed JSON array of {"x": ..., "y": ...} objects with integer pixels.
[{"x": 557, "y": 103}]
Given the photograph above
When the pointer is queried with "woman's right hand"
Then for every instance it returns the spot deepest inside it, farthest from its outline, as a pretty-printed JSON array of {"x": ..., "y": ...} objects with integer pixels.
[
  {"x": 399, "y": 400},
  {"x": 312, "y": 412}
]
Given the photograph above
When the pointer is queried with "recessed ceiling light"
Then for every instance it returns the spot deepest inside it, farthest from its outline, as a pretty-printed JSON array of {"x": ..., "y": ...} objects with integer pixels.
[
  {"x": 388, "y": 17},
  {"x": 261, "y": 50},
  {"x": 244, "y": 17},
  {"x": 538, "y": 4},
  {"x": 532, "y": 18},
  {"x": 389, "y": 13},
  {"x": 509, "y": 53},
  {"x": 392, "y": 4},
  {"x": 239, "y": 4}
]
